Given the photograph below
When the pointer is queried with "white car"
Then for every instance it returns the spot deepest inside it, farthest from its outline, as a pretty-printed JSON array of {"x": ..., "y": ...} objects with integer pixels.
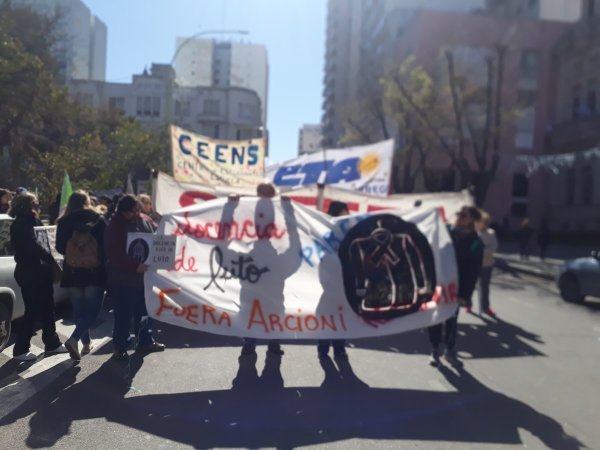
[{"x": 11, "y": 302}]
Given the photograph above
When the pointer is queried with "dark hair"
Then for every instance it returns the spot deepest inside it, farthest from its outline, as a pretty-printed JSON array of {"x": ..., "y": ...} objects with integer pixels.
[
  {"x": 127, "y": 203},
  {"x": 472, "y": 211},
  {"x": 336, "y": 208},
  {"x": 22, "y": 205}
]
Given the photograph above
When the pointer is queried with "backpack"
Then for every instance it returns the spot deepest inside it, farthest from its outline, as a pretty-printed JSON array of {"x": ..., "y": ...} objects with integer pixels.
[{"x": 82, "y": 251}]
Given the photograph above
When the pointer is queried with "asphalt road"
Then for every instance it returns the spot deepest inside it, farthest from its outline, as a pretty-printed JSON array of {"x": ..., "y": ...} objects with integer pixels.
[{"x": 530, "y": 379}]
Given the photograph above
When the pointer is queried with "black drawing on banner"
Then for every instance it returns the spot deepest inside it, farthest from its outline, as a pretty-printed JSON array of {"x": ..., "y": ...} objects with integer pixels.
[
  {"x": 387, "y": 266},
  {"x": 242, "y": 268},
  {"x": 139, "y": 250}
]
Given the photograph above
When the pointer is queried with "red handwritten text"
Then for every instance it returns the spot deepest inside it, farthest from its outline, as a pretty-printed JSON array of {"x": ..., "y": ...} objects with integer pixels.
[{"x": 218, "y": 231}]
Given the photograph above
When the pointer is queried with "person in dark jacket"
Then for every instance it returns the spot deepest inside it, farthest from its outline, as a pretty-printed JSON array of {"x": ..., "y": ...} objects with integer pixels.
[
  {"x": 33, "y": 273},
  {"x": 5, "y": 199},
  {"x": 80, "y": 237},
  {"x": 336, "y": 209},
  {"x": 126, "y": 279},
  {"x": 468, "y": 249}
]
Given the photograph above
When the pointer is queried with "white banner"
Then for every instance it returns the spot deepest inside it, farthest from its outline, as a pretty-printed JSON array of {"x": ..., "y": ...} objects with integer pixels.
[
  {"x": 275, "y": 269},
  {"x": 200, "y": 159},
  {"x": 365, "y": 168},
  {"x": 170, "y": 196}
]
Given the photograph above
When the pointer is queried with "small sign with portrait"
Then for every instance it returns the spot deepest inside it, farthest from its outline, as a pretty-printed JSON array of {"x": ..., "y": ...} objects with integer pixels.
[{"x": 156, "y": 251}]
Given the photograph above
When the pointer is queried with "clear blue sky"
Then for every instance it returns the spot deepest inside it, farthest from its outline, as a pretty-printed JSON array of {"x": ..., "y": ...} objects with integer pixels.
[{"x": 141, "y": 32}]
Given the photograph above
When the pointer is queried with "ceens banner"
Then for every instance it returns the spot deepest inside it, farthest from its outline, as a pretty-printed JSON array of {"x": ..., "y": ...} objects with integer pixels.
[
  {"x": 365, "y": 168},
  {"x": 171, "y": 195},
  {"x": 200, "y": 159},
  {"x": 275, "y": 269}
]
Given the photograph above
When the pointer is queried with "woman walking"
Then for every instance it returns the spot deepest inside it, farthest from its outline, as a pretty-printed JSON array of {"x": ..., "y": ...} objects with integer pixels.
[
  {"x": 33, "y": 273},
  {"x": 80, "y": 238},
  {"x": 490, "y": 245}
]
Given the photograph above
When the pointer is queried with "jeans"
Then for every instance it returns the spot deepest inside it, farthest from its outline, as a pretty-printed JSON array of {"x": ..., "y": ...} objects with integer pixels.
[
  {"x": 337, "y": 344},
  {"x": 38, "y": 297},
  {"x": 448, "y": 329},
  {"x": 484, "y": 287},
  {"x": 130, "y": 306},
  {"x": 87, "y": 302}
]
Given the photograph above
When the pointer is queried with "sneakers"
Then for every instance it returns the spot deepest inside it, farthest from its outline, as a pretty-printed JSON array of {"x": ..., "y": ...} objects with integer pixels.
[
  {"x": 27, "y": 356},
  {"x": 275, "y": 349},
  {"x": 434, "y": 358},
  {"x": 490, "y": 312},
  {"x": 120, "y": 355},
  {"x": 56, "y": 350},
  {"x": 86, "y": 349},
  {"x": 154, "y": 347},
  {"x": 73, "y": 348},
  {"x": 452, "y": 359}
]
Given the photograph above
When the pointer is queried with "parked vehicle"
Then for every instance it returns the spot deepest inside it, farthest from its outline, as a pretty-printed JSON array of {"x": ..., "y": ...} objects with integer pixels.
[
  {"x": 579, "y": 278},
  {"x": 11, "y": 302}
]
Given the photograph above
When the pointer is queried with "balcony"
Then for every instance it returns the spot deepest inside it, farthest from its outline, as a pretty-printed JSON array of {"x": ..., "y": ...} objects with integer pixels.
[{"x": 576, "y": 134}]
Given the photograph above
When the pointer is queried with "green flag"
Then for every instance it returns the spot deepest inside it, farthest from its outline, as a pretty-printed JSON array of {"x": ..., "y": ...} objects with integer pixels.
[{"x": 65, "y": 193}]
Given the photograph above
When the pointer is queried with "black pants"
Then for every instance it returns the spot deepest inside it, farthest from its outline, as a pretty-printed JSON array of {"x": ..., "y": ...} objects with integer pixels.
[
  {"x": 447, "y": 331},
  {"x": 484, "y": 287},
  {"x": 338, "y": 345},
  {"x": 38, "y": 297}
]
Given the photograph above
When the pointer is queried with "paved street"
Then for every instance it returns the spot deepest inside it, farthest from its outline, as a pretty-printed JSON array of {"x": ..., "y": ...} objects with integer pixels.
[{"x": 530, "y": 379}]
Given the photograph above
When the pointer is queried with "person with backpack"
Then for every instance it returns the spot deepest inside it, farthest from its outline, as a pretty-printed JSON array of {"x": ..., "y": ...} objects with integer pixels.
[{"x": 80, "y": 238}]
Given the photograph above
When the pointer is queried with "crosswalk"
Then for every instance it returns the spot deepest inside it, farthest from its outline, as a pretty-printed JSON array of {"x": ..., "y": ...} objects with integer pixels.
[{"x": 20, "y": 381}]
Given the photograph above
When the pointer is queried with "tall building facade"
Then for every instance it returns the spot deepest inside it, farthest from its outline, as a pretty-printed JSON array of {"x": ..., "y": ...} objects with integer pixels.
[
  {"x": 152, "y": 98},
  {"x": 309, "y": 139},
  {"x": 81, "y": 48},
  {"x": 206, "y": 62}
]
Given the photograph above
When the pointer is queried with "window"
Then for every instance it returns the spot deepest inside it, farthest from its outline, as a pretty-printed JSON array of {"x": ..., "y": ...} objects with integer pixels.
[
  {"x": 139, "y": 106},
  {"x": 147, "y": 106},
  {"x": 182, "y": 108},
  {"x": 246, "y": 111},
  {"x": 591, "y": 99},
  {"x": 520, "y": 187},
  {"x": 217, "y": 129},
  {"x": 156, "y": 106},
  {"x": 587, "y": 185},
  {"x": 526, "y": 122},
  {"x": 518, "y": 209},
  {"x": 212, "y": 107},
  {"x": 116, "y": 103},
  {"x": 529, "y": 63}
]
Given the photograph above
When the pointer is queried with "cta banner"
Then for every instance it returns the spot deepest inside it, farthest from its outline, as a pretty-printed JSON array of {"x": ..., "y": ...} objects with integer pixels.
[
  {"x": 200, "y": 159},
  {"x": 365, "y": 168},
  {"x": 171, "y": 195},
  {"x": 270, "y": 268}
]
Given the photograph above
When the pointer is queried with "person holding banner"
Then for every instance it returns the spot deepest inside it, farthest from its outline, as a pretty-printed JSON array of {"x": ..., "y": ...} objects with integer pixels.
[
  {"x": 336, "y": 209},
  {"x": 80, "y": 238},
  {"x": 34, "y": 274},
  {"x": 126, "y": 280},
  {"x": 468, "y": 249}
]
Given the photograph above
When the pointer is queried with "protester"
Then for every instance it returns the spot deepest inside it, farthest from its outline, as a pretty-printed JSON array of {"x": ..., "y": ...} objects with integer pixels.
[
  {"x": 5, "y": 198},
  {"x": 490, "y": 245},
  {"x": 264, "y": 190},
  {"x": 468, "y": 248},
  {"x": 80, "y": 238},
  {"x": 34, "y": 275},
  {"x": 126, "y": 279},
  {"x": 148, "y": 209},
  {"x": 54, "y": 210},
  {"x": 336, "y": 209},
  {"x": 543, "y": 238},
  {"x": 525, "y": 234}
]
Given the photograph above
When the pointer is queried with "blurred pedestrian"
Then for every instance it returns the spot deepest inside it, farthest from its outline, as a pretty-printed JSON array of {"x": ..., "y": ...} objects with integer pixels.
[
  {"x": 34, "y": 275},
  {"x": 5, "y": 199},
  {"x": 126, "y": 280},
  {"x": 525, "y": 235},
  {"x": 54, "y": 210},
  {"x": 468, "y": 249},
  {"x": 148, "y": 209},
  {"x": 336, "y": 209},
  {"x": 80, "y": 238},
  {"x": 490, "y": 245},
  {"x": 543, "y": 238}
]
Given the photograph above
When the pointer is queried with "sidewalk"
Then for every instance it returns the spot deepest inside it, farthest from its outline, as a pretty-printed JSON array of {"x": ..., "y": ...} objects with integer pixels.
[{"x": 507, "y": 258}]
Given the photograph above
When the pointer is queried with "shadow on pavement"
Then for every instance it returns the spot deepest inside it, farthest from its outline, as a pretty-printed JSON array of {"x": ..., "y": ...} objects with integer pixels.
[
  {"x": 259, "y": 411},
  {"x": 495, "y": 338}
]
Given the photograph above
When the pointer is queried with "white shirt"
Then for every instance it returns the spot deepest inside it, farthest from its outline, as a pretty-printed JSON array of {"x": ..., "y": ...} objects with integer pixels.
[{"x": 490, "y": 243}]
